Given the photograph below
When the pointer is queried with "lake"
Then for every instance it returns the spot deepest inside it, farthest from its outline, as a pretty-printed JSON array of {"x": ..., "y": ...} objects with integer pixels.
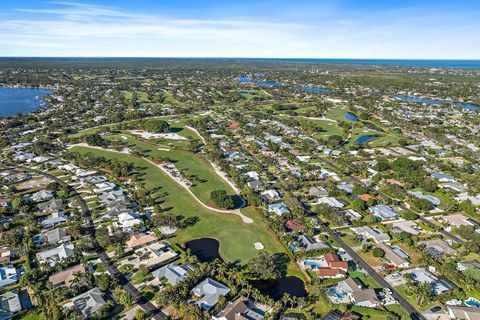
[
  {"x": 245, "y": 79},
  {"x": 205, "y": 249},
  {"x": 366, "y": 138},
  {"x": 466, "y": 106},
  {"x": 278, "y": 287},
  {"x": 314, "y": 89},
  {"x": 350, "y": 116},
  {"x": 23, "y": 100}
]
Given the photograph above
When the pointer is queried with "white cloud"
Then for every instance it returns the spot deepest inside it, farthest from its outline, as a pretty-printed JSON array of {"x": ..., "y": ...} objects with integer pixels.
[{"x": 77, "y": 29}]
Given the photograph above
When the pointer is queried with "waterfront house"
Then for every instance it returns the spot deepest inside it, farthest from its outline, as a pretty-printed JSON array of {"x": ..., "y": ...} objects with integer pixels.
[
  {"x": 208, "y": 291},
  {"x": 173, "y": 272}
]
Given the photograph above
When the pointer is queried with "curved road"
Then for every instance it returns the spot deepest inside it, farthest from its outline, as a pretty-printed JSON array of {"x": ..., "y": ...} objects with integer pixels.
[{"x": 143, "y": 302}]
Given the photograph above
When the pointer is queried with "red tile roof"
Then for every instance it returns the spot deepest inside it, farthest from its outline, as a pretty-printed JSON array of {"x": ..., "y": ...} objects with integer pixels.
[
  {"x": 330, "y": 272},
  {"x": 293, "y": 225}
]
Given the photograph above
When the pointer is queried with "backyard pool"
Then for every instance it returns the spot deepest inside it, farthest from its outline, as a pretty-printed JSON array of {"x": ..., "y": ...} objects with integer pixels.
[{"x": 472, "y": 302}]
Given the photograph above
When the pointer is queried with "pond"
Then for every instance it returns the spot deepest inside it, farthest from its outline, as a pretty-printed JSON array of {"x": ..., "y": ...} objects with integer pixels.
[
  {"x": 246, "y": 79},
  {"x": 366, "y": 138},
  {"x": 466, "y": 106},
  {"x": 278, "y": 287},
  {"x": 205, "y": 249},
  {"x": 350, "y": 116},
  {"x": 314, "y": 89},
  {"x": 23, "y": 100}
]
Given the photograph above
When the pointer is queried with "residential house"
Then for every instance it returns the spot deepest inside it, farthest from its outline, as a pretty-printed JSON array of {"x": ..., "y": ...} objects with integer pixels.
[
  {"x": 255, "y": 185},
  {"x": 138, "y": 240},
  {"x": 463, "y": 313},
  {"x": 94, "y": 180},
  {"x": 8, "y": 275},
  {"x": 42, "y": 195},
  {"x": 293, "y": 225},
  {"x": 56, "y": 218},
  {"x": 253, "y": 175},
  {"x": 278, "y": 209},
  {"x": 5, "y": 255},
  {"x": 173, "y": 272},
  {"x": 395, "y": 257},
  {"x": 51, "y": 205},
  {"x": 104, "y": 187},
  {"x": 350, "y": 214},
  {"x": 347, "y": 187},
  {"x": 69, "y": 277},
  {"x": 208, "y": 291},
  {"x": 270, "y": 195},
  {"x": 418, "y": 194},
  {"x": 458, "y": 220},
  {"x": 10, "y": 302},
  {"x": 308, "y": 243},
  {"x": 437, "y": 248},
  {"x": 471, "y": 264},
  {"x": 114, "y": 195},
  {"x": 406, "y": 226},
  {"x": 372, "y": 233},
  {"x": 331, "y": 201},
  {"x": 424, "y": 276},
  {"x": 331, "y": 267},
  {"x": 366, "y": 298},
  {"x": 52, "y": 256},
  {"x": 442, "y": 177},
  {"x": 318, "y": 192},
  {"x": 383, "y": 212},
  {"x": 455, "y": 186},
  {"x": 56, "y": 236},
  {"x": 89, "y": 302},
  {"x": 127, "y": 221},
  {"x": 240, "y": 309},
  {"x": 156, "y": 254}
]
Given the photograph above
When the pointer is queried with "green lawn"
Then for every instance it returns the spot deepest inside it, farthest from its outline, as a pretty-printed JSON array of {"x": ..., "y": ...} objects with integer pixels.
[
  {"x": 188, "y": 162},
  {"x": 236, "y": 237}
]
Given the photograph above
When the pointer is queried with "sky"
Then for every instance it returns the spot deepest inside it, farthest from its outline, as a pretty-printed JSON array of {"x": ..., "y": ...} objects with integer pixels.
[{"x": 377, "y": 29}]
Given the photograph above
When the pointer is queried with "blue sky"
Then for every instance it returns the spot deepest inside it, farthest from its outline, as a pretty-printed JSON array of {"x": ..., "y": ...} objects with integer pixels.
[{"x": 248, "y": 28}]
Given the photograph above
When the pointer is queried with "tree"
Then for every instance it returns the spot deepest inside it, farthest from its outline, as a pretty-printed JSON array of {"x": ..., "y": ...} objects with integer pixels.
[
  {"x": 358, "y": 204},
  {"x": 263, "y": 266},
  {"x": 222, "y": 199},
  {"x": 156, "y": 126},
  {"x": 378, "y": 253},
  {"x": 95, "y": 140},
  {"x": 140, "y": 315}
]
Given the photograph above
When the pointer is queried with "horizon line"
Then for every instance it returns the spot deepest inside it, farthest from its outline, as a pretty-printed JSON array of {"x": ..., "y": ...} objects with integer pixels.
[{"x": 245, "y": 58}]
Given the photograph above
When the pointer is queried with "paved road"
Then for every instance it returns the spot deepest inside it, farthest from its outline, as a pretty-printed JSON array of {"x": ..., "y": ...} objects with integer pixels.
[
  {"x": 144, "y": 303},
  {"x": 414, "y": 314}
]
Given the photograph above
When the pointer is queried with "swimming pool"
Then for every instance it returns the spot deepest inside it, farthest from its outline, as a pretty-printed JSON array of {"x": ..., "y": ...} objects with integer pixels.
[
  {"x": 472, "y": 302},
  {"x": 334, "y": 292},
  {"x": 313, "y": 264}
]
